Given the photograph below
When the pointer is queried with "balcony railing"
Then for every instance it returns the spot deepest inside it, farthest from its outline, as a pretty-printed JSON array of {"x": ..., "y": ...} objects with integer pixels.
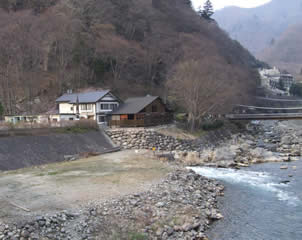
[{"x": 144, "y": 120}]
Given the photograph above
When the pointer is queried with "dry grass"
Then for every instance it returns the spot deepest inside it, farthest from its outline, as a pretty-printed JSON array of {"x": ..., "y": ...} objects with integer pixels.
[{"x": 69, "y": 184}]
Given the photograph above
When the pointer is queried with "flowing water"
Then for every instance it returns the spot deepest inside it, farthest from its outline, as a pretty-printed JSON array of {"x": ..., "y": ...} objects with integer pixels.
[{"x": 257, "y": 205}]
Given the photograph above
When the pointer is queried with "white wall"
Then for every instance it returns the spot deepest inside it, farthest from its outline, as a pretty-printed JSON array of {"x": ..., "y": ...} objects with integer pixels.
[
  {"x": 66, "y": 117},
  {"x": 65, "y": 108},
  {"x": 87, "y": 112}
]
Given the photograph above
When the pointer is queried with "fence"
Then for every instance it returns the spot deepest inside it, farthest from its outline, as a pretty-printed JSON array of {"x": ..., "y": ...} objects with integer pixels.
[{"x": 33, "y": 129}]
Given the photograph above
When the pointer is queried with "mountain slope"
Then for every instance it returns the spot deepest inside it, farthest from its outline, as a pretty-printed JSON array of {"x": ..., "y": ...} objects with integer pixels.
[
  {"x": 257, "y": 28},
  {"x": 132, "y": 47},
  {"x": 286, "y": 52}
]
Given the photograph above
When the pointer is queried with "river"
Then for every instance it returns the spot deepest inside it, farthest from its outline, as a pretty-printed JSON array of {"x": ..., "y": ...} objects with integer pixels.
[{"x": 257, "y": 205}]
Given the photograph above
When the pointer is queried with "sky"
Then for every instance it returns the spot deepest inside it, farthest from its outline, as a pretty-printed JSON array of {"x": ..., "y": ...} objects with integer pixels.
[{"x": 218, "y": 4}]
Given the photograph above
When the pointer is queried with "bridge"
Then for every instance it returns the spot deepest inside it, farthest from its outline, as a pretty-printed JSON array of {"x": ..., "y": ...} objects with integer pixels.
[
  {"x": 291, "y": 109},
  {"x": 269, "y": 108},
  {"x": 279, "y": 99},
  {"x": 264, "y": 116}
]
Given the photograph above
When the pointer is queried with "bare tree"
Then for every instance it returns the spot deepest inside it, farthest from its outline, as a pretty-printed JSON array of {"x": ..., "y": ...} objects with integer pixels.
[{"x": 199, "y": 88}]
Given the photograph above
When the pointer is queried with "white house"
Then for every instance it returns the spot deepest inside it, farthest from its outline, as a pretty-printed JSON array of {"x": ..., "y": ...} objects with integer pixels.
[
  {"x": 90, "y": 105},
  {"x": 287, "y": 80},
  {"x": 277, "y": 82}
]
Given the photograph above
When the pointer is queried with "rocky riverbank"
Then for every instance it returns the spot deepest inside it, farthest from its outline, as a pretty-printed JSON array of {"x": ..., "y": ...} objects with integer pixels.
[
  {"x": 182, "y": 206},
  {"x": 170, "y": 138},
  {"x": 270, "y": 141},
  {"x": 267, "y": 141}
]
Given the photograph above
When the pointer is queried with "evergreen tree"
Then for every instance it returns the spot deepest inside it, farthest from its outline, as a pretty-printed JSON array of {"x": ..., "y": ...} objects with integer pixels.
[
  {"x": 200, "y": 11},
  {"x": 207, "y": 11},
  {"x": 188, "y": 2}
]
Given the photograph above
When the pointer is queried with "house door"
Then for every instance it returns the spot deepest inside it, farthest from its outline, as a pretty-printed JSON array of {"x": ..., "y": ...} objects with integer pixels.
[{"x": 101, "y": 119}]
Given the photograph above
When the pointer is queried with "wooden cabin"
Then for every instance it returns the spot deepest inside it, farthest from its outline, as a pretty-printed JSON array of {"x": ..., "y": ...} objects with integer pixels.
[{"x": 141, "y": 112}]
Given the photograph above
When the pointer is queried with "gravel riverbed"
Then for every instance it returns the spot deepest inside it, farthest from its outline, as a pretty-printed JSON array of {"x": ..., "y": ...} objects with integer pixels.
[{"x": 182, "y": 206}]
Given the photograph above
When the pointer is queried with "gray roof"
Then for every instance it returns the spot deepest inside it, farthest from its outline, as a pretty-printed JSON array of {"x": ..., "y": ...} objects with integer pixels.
[
  {"x": 134, "y": 105},
  {"x": 89, "y": 97}
]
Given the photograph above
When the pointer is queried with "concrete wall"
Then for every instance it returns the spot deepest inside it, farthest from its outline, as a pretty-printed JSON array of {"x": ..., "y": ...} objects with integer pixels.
[{"x": 26, "y": 151}]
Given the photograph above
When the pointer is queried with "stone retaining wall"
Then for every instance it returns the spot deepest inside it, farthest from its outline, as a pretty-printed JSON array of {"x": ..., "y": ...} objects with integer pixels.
[{"x": 141, "y": 138}]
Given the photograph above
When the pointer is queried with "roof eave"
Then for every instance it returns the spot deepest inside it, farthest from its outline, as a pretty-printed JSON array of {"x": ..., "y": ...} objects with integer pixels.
[{"x": 60, "y": 101}]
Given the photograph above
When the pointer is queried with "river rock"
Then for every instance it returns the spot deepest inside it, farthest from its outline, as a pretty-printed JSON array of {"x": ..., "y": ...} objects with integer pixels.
[
  {"x": 259, "y": 155},
  {"x": 228, "y": 153},
  {"x": 192, "y": 158},
  {"x": 284, "y": 167},
  {"x": 207, "y": 155}
]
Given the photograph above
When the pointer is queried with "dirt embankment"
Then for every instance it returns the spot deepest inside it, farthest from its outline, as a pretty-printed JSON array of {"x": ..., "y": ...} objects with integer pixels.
[{"x": 27, "y": 151}]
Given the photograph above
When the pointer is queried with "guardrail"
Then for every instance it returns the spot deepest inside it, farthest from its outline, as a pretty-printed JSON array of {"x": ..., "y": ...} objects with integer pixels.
[{"x": 274, "y": 116}]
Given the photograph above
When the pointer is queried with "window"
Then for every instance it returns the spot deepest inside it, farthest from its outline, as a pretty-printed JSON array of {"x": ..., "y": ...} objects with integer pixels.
[
  {"x": 70, "y": 119},
  {"x": 105, "y": 106},
  {"x": 140, "y": 117},
  {"x": 108, "y": 106},
  {"x": 113, "y": 106},
  {"x": 71, "y": 109},
  {"x": 154, "y": 108},
  {"x": 85, "y": 107}
]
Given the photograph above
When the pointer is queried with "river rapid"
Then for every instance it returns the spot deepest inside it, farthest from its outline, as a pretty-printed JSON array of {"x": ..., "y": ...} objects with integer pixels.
[{"x": 259, "y": 203}]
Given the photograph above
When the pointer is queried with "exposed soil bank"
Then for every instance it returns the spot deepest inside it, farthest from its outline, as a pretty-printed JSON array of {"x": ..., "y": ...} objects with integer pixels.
[{"x": 27, "y": 151}]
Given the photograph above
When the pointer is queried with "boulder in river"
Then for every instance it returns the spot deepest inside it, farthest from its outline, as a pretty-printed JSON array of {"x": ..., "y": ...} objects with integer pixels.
[{"x": 284, "y": 167}]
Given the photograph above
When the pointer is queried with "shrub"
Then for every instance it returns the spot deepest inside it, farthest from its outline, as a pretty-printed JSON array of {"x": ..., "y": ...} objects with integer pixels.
[
  {"x": 137, "y": 236},
  {"x": 208, "y": 126},
  {"x": 86, "y": 124},
  {"x": 181, "y": 117},
  {"x": 80, "y": 126},
  {"x": 241, "y": 125},
  {"x": 296, "y": 89}
]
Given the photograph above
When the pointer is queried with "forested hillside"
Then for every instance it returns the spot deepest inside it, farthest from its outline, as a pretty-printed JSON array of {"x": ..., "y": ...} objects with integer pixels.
[{"x": 132, "y": 47}]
